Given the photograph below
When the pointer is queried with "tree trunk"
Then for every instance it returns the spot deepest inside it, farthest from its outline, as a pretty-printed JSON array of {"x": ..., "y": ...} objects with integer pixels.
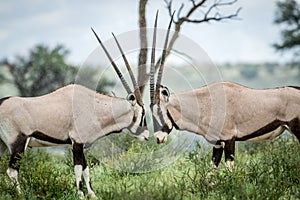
[{"x": 142, "y": 68}]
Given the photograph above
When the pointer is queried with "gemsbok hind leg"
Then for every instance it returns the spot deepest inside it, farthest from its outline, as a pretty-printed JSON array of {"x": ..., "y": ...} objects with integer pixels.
[
  {"x": 2, "y": 148},
  {"x": 217, "y": 154},
  {"x": 229, "y": 153},
  {"x": 294, "y": 127},
  {"x": 81, "y": 168},
  {"x": 16, "y": 149}
]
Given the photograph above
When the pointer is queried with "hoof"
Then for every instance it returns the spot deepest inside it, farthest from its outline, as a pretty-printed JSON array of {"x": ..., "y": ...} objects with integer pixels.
[{"x": 92, "y": 195}]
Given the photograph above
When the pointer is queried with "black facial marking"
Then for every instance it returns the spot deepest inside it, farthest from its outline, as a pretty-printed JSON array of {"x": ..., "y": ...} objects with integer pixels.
[
  {"x": 266, "y": 129},
  {"x": 161, "y": 117},
  {"x": 41, "y": 136},
  {"x": 217, "y": 154},
  {"x": 17, "y": 148},
  {"x": 3, "y": 99},
  {"x": 142, "y": 124},
  {"x": 132, "y": 123},
  {"x": 143, "y": 121},
  {"x": 172, "y": 120},
  {"x": 157, "y": 126},
  {"x": 78, "y": 155}
]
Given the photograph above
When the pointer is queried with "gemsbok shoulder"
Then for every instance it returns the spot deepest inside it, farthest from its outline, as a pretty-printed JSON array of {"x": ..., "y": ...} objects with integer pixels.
[
  {"x": 73, "y": 115},
  {"x": 223, "y": 112}
]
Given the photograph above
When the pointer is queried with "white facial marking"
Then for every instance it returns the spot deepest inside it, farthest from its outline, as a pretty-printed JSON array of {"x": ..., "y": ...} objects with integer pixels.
[
  {"x": 144, "y": 136},
  {"x": 138, "y": 112},
  {"x": 161, "y": 136}
]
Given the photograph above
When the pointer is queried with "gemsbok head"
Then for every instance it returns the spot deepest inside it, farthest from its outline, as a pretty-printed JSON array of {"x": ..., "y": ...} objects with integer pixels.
[
  {"x": 73, "y": 115},
  {"x": 223, "y": 112}
]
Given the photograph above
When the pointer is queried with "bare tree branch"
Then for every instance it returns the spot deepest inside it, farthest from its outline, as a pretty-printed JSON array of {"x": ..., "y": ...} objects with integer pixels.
[
  {"x": 207, "y": 16},
  {"x": 208, "y": 10}
]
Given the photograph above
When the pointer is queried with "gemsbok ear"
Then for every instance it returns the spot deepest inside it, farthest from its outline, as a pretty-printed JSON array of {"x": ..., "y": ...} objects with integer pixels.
[
  {"x": 131, "y": 98},
  {"x": 165, "y": 93}
]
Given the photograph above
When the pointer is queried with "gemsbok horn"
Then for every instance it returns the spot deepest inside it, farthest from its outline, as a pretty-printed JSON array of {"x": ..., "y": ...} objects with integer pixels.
[
  {"x": 72, "y": 115},
  {"x": 223, "y": 112}
]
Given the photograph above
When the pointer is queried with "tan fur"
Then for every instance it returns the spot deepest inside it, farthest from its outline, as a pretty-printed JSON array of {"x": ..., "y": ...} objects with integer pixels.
[
  {"x": 223, "y": 110},
  {"x": 72, "y": 112}
]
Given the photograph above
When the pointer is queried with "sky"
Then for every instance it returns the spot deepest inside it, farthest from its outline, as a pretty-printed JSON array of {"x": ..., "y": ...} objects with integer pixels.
[{"x": 25, "y": 23}]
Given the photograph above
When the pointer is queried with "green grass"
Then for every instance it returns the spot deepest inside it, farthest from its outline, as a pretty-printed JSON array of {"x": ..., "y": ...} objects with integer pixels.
[{"x": 264, "y": 170}]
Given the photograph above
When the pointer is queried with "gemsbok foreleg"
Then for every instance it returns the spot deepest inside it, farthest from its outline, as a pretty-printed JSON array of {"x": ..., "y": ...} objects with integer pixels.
[
  {"x": 16, "y": 149},
  {"x": 217, "y": 154},
  {"x": 81, "y": 168},
  {"x": 229, "y": 153}
]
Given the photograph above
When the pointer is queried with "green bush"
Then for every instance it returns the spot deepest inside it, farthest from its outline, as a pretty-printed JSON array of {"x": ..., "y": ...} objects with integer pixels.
[{"x": 269, "y": 171}]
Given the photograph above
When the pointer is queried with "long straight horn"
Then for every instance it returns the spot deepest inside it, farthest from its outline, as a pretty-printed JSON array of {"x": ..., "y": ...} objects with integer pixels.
[
  {"x": 125, "y": 84},
  {"x": 152, "y": 62},
  {"x": 162, "y": 63},
  {"x": 135, "y": 85}
]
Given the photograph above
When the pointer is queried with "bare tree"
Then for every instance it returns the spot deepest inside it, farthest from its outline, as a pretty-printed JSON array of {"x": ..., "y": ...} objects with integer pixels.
[{"x": 208, "y": 11}]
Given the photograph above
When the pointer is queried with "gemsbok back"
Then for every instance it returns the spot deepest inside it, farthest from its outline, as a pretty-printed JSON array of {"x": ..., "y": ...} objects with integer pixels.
[
  {"x": 73, "y": 115},
  {"x": 223, "y": 112}
]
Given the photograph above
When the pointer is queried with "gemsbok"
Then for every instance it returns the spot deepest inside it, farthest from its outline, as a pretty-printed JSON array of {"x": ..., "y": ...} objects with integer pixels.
[
  {"x": 73, "y": 115},
  {"x": 222, "y": 112}
]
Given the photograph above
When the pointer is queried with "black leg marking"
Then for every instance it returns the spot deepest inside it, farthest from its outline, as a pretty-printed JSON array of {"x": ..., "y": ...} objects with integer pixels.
[
  {"x": 294, "y": 126},
  {"x": 80, "y": 185},
  {"x": 229, "y": 149},
  {"x": 266, "y": 129},
  {"x": 217, "y": 154},
  {"x": 78, "y": 155},
  {"x": 81, "y": 168},
  {"x": 17, "y": 149}
]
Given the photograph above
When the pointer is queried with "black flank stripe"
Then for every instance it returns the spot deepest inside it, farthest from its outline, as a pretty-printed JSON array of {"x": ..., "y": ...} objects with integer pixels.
[
  {"x": 266, "y": 129},
  {"x": 41, "y": 136}
]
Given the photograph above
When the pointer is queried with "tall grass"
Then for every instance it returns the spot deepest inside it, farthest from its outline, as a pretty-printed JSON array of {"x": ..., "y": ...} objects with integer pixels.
[{"x": 264, "y": 170}]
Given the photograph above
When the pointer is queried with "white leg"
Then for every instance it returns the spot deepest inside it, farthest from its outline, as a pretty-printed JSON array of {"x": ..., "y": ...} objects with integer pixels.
[
  {"x": 78, "y": 174},
  {"x": 213, "y": 166},
  {"x": 230, "y": 165},
  {"x": 86, "y": 176},
  {"x": 13, "y": 175}
]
